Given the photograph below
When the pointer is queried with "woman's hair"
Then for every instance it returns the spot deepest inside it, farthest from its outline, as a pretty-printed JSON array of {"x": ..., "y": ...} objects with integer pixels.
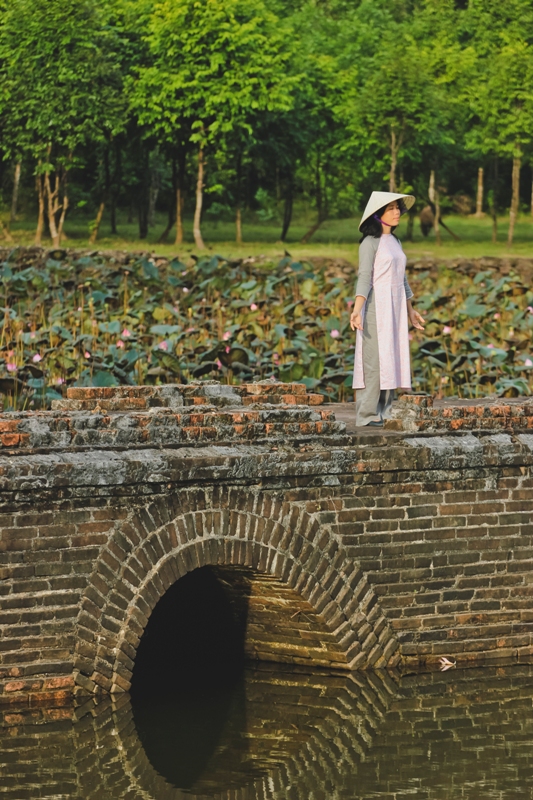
[{"x": 372, "y": 226}]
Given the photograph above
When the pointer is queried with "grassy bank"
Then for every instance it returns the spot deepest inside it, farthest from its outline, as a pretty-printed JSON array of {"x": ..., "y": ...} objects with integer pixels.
[{"x": 335, "y": 239}]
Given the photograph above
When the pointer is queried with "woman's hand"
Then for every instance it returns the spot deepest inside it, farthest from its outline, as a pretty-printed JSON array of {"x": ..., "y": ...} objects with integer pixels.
[
  {"x": 356, "y": 321},
  {"x": 356, "y": 318},
  {"x": 416, "y": 319}
]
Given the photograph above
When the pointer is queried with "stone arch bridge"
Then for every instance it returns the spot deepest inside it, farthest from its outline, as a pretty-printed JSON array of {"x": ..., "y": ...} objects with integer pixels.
[{"x": 338, "y": 548}]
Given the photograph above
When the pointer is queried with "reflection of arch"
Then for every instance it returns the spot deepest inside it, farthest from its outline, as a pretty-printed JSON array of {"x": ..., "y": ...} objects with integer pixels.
[
  {"x": 302, "y": 730},
  {"x": 362, "y": 734},
  {"x": 326, "y": 611}
]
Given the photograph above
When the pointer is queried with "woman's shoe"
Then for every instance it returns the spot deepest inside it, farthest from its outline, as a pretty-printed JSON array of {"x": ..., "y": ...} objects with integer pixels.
[{"x": 375, "y": 424}]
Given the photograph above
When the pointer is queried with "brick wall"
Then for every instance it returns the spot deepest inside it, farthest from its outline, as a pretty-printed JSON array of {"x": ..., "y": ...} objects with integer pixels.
[{"x": 361, "y": 550}]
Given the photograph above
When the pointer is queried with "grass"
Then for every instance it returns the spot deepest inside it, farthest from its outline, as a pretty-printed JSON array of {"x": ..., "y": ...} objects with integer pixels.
[{"x": 335, "y": 239}]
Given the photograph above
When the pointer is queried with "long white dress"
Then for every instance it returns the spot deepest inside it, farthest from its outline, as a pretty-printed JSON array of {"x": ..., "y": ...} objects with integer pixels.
[{"x": 388, "y": 284}]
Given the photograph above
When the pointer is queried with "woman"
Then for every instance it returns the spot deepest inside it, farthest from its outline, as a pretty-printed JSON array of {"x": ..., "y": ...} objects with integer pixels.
[{"x": 382, "y": 310}]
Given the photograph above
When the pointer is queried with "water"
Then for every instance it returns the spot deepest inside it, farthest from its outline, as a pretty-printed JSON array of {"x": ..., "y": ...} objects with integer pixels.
[{"x": 279, "y": 735}]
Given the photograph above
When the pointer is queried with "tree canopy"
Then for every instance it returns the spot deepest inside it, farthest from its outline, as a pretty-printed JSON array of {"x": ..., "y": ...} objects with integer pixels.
[{"x": 224, "y": 105}]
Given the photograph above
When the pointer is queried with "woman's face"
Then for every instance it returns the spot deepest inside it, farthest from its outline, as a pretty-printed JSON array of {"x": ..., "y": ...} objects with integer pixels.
[{"x": 392, "y": 214}]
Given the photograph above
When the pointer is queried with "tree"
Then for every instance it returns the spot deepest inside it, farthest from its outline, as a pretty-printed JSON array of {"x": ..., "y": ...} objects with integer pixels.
[
  {"x": 499, "y": 93},
  {"x": 61, "y": 88},
  {"x": 215, "y": 66}
]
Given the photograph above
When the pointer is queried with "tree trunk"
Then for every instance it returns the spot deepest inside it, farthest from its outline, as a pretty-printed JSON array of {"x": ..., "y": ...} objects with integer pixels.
[
  {"x": 113, "y": 214},
  {"x": 52, "y": 196},
  {"x": 238, "y": 215},
  {"x": 238, "y": 226},
  {"x": 321, "y": 207},
  {"x": 155, "y": 185},
  {"x": 312, "y": 230},
  {"x": 143, "y": 220},
  {"x": 287, "y": 210},
  {"x": 96, "y": 227},
  {"x": 431, "y": 188},
  {"x": 494, "y": 200},
  {"x": 393, "y": 161},
  {"x": 479, "y": 198},
  {"x": 116, "y": 183},
  {"x": 197, "y": 233},
  {"x": 15, "y": 196},
  {"x": 39, "y": 181},
  {"x": 100, "y": 213},
  {"x": 52, "y": 203},
  {"x": 411, "y": 214},
  {"x": 64, "y": 209},
  {"x": 180, "y": 196},
  {"x": 433, "y": 193},
  {"x": 179, "y": 215},
  {"x": 172, "y": 205},
  {"x": 144, "y": 199},
  {"x": 515, "y": 200}
]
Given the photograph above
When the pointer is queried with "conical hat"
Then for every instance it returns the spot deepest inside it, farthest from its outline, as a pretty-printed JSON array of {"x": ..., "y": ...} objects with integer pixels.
[{"x": 380, "y": 199}]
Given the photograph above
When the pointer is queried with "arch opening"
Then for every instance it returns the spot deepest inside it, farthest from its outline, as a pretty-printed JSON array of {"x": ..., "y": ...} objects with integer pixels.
[
  {"x": 195, "y": 635},
  {"x": 212, "y": 621}
]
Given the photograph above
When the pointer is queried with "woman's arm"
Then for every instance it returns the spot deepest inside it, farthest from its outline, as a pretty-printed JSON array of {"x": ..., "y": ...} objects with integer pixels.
[{"x": 367, "y": 253}]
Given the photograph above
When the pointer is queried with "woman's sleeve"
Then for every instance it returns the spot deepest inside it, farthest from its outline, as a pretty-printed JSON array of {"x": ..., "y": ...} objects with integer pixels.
[
  {"x": 408, "y": 291},
  {"x": 367, "y": 254}
]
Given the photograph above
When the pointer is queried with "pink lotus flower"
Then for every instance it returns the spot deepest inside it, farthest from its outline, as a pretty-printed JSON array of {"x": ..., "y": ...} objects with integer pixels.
[
  {"x": 218, "y": 362},
  {"x": 228, "y": 349},
  {"x": 349, "y": 303},
  {"x": 11, "y": 367},
  {"x": 87, "y": 354},
  {"x": 120, "y": 343},
  {"x": 490, "y": 346},
  {"x": 58, "y": 381},
  {"x": 162, "y": 345},
  {"x": 226, "y": 336},
  {"x": 126, "y": 333},
  {"x": 36, "y": 358},
  {"x": 497, "y": 316},
  {"x": 446, "y": 329},
  {"x": 185, "y": 290},
  {"x": 190, "y": 330},
  {"x": 530, "y": 309},
  {"x": 528, "y": 362},
  {"x": 334, "y": 334},
  {"x": 33, "y": 335},
  {"x": 254, "y": 307},
  {"x": 79, "y": 308},
  {"x": 275, "y": 356}
]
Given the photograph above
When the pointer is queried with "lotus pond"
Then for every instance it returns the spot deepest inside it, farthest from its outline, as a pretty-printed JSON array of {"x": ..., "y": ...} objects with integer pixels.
[{"x": 107, "y": 319}]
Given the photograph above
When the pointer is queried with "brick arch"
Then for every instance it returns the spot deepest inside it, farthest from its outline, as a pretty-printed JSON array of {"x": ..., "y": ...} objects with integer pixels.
[{"x": 279, "y": 544}]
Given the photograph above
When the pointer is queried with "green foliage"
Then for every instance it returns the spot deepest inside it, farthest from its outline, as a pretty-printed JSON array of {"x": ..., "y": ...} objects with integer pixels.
[
  {"x": 93, "y": 322},
  {"x": 213, "y": 66},
  {"x": 291, "y": 101},
  {"x": 60, "y": 77},
  {"x": 478, "y": 335}
]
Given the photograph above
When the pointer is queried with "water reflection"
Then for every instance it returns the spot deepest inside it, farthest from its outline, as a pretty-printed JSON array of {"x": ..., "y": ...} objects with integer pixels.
[{"x": 277, "y": 735}]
